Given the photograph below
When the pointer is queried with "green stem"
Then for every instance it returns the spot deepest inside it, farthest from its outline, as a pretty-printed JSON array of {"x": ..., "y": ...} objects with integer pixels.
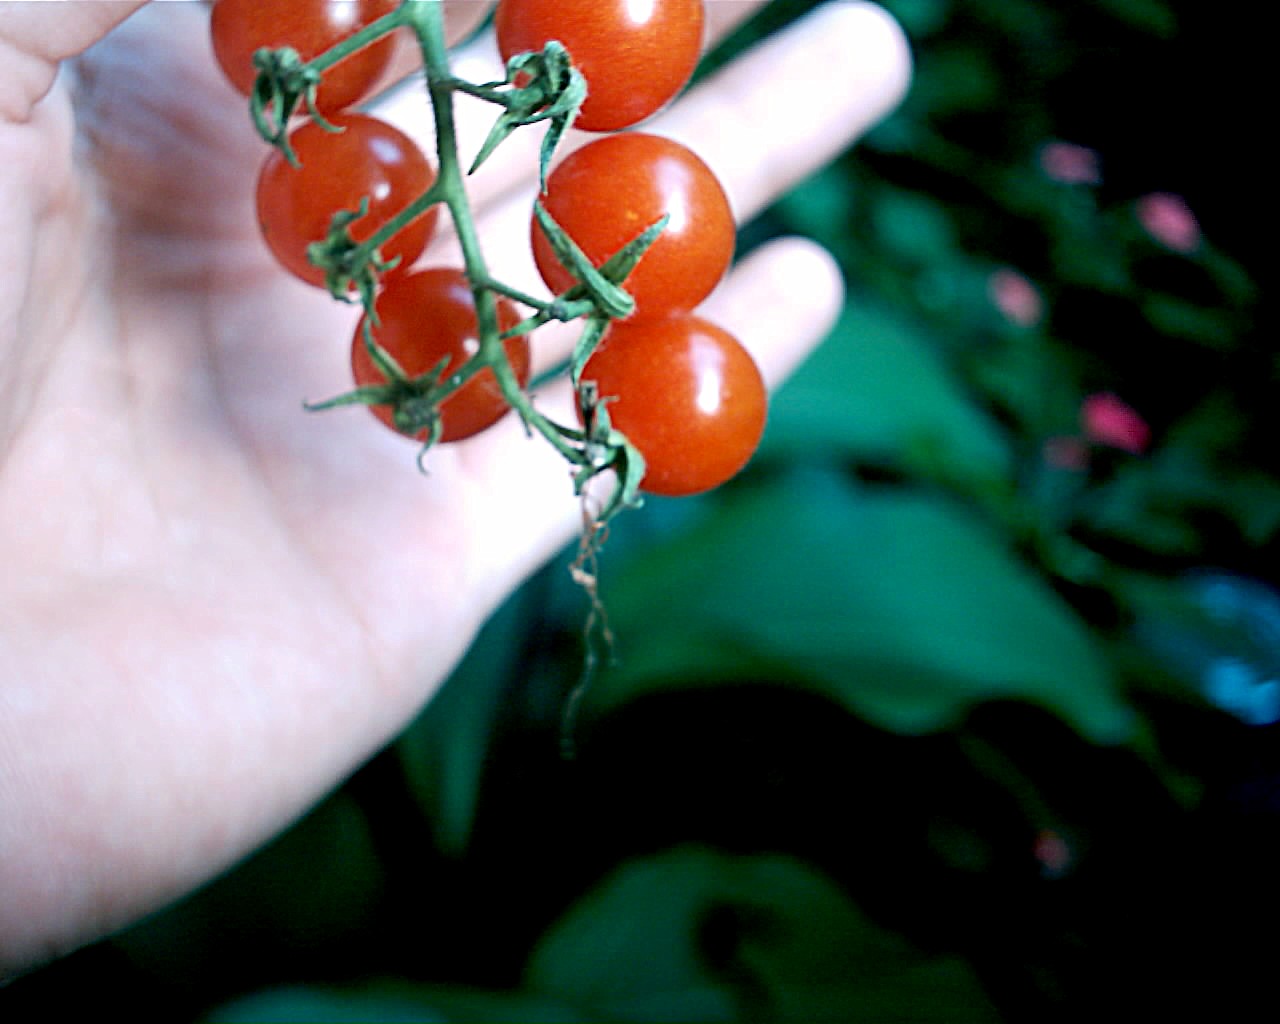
[
  {"x": 488, "y": 93},
  {"x": 543, "y": 306},
  {"x": 429, "y": 198},
  {"x": 371, "y": 33},
  {"x": 426, "y": 20},
  {"x": 558, "y": 308}
]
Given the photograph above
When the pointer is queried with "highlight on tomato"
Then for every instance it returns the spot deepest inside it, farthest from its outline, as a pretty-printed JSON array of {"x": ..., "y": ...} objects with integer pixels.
[
  {"x": 687, "y": 394},
  {"x": 367, "y": 161},
  {"x": 604, "y": 194},
  {"x": 238, "y": 28},
  {"x": 428, "y": 318},
  {"x": 635, "y": 56}
]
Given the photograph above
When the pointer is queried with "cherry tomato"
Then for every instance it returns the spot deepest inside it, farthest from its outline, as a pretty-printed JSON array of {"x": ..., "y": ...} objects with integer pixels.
[
  {"x": 634, "y": 56},
  {"x": 425, "y": 317},
  {"x": 610, "y": 190},
  {"x": 369, "y": 158},
  {"x": 240, "y": 27},
  {"x": 686, "y": 394}
]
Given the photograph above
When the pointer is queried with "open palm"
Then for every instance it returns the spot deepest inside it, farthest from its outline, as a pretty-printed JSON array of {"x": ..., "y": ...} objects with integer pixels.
[{"x": 213, "y": 604}]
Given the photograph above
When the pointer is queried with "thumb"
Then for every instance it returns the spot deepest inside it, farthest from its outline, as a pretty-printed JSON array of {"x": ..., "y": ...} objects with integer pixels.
[{"x": 36, "y": 37}]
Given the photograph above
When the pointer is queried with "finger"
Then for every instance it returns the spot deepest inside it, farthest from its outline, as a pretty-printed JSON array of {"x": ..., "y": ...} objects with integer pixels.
[
  {"x": 779, "y": 302},
  {"x": 479, "y": 61},
  {"x": 461, "y": 19},
  {"x": 795, "y": 102},
  {"x": 723, "y": 16},
  {"x": 35, "y": 38},
  {"x": 815, "y": 87}
]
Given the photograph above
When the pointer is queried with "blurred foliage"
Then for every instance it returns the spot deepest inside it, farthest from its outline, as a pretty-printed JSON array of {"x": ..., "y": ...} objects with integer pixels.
[{"x": 958, "y": 705}]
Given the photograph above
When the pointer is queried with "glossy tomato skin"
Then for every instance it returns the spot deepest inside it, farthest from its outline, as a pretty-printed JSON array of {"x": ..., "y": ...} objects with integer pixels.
[
  {"x": 238, "y": 28},
  {"x": 369, "y": 158},
  {"x": 686, "y": 394},
  {"x": 425, "y": 317},
  {"x": 610, "y": 190},
  {"x": 634, "y": 56}
]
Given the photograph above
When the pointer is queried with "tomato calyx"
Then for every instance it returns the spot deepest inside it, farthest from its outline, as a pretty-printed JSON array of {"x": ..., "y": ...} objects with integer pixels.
[
  {"x": 601, "y": 285},
  {"x": 540, "y": 86},
  {"x": 357, "y": 207},
  {"x": 601, "y": 192},
  {"x": 634, "y": 56},
  {"x": 349, "y": 266},
  {"x": 284, "y": 81},
  {"x": 605, "y": 448},
  {"x": 414, "y": 402},
  {"x": 686, "y": 393},
  {"x": 353, "y": 269},
  {"x": 599, "y": 298}
]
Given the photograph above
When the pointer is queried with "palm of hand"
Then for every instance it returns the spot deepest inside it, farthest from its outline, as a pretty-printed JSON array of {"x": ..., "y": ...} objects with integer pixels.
[
  {"x": 185, "y": 544},
  {"x": 173, "y": 458},
  {"x": 215, "y": 604}
]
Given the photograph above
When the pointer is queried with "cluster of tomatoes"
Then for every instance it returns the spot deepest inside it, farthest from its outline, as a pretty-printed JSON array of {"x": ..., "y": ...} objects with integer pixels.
[{"x": 684, "y": 392}]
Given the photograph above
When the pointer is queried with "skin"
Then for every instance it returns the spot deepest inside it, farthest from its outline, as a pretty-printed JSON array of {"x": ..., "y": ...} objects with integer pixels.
[
  {"x": 655, "y": 176},
  {"x": 214, "y": 605}
]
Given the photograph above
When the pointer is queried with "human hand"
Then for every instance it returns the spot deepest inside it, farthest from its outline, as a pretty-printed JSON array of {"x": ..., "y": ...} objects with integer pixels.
[{"x": 215, "y": 605}]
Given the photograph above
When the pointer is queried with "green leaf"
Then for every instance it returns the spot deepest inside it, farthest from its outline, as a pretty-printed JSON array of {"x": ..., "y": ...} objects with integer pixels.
[
  {"x": 554, "y": 93},
  {"x": 593, "y": 328},
  {"x": 913, "y": 227},
  {"x": 820, "y": 207},
  {"x": 899, "y": 606},
  {"x": 392, "y": 1002},
  {"x": 610, "y": 299},
  {"x": 1150, "y": 16},
  {"x": 316, "y": 883},
  {"x": 876, "y": 392},
  {"x": 959, "y": 77},
  {"x": 1177, "y": 318},
  {"x": 1146, "y": 505},
  {"x": 694, "y": 934},
  {"x": 920, "y": 17},
  {"x": 1158, "y": 502},
  {"x": 445, "y": 750}
]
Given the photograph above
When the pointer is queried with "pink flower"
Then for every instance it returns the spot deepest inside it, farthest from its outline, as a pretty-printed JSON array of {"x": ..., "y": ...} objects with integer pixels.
[
  {"x": 1169, "y": 220},
  {"x": 1108, "y": 421},
  {"x": 1071, "y": 164},
  {"x": 1016, "y": 297}
]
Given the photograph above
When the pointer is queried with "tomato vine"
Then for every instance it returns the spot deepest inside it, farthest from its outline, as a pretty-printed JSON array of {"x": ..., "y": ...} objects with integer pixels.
[{"x": 349, "y": 204}]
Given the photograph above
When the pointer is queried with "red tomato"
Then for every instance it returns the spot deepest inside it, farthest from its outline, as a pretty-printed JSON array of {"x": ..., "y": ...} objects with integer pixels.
[
  {"x": 686, "y": 394},
  {"x": 424, "y": 318},
  {"x": 238, "y": 28},
  {"x": 369, "y": 159},
  {"x": 610, "y": 190},
  {"x": 635, "y": 54}
]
